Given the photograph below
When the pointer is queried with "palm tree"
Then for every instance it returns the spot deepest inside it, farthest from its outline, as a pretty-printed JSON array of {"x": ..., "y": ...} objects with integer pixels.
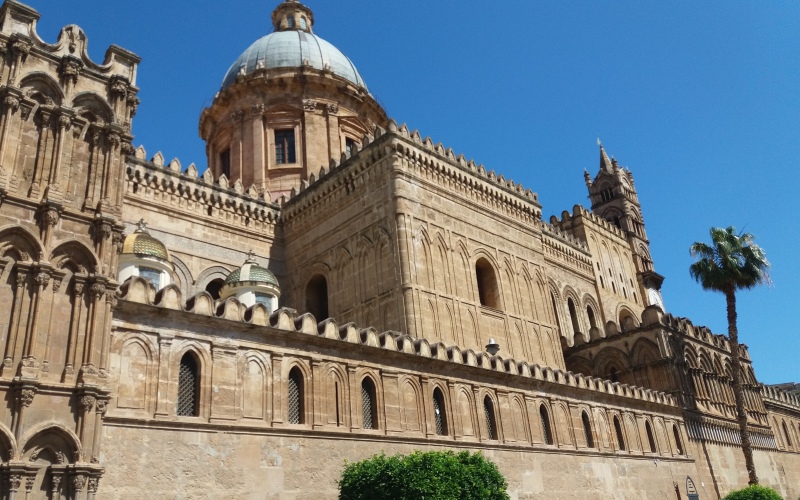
[{"x": 732, "y": 262}]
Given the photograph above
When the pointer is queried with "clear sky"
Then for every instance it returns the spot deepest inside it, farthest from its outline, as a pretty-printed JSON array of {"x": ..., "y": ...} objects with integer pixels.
[{"x": 699, "y": 99}]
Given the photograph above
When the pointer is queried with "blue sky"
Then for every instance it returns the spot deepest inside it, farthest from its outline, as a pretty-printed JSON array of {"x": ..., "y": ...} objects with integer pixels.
[{"x": 698, "y": 99}]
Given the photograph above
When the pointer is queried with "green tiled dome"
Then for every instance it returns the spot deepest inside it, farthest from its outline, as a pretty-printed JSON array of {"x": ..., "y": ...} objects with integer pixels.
[
  {"x": 142, "y": 244},
  {"x": 251, "y": 272}
]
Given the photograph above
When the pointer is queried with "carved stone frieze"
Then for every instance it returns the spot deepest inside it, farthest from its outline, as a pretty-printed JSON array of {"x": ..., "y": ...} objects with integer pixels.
[
  {"x": 14, "y": 482},
  {"x": 26, "y": 397},
  {"x": 78, "y": 482},
  {"x": 309, "y": 104},
  {"x": 87, "y": 403}
]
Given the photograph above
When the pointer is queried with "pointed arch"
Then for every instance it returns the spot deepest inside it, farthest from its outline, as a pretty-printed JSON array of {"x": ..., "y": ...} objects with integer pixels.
[
  {"x": 93, "y": 106},
  {"x": 440, "y": 412},
  {"x": 587, "y": 429},
  {"x": 369, "y": 403},
  {"x": 18, "y": 238},
  {"x": 546, "y": 422},
  {"x": 43, "y": 88},
  {"x": 295, "y": 396},
  {"x": 490, "y": 416},
  {"x": 74, "y": 255}
]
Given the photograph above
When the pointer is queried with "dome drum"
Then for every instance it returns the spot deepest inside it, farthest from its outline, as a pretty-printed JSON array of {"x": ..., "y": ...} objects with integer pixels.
[
  {"x": 146, "y": 257},
  {"x": 287, "y": 106},
  {"x": 252, "y": 284}
]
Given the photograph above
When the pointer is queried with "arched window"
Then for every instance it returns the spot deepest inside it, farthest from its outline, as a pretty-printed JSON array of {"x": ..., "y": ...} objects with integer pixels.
[
  {"x": 573, "y": 315},
  {"x": 188, "y": 387},
  {"x": 587, "y": 430},
  {"x": 678, "y": 443},
  {"x": 369, "y": 406},
  {"x": 214, "y": 286},
  {"x": 290, "y": 22},
  {"x": 590, "y": 315},
  {"x": 295, "y": 397},
  {"x": 491, "y": 422},
  {"x": 612, "y": 375},
  {"x": 488, "y": 289},
  {"x": 439, "y": 414},
  {"x": 317, "y": 297},
  {"x": 786, "y": 433},
  {"x": 547, "y": 432},
  {"x": 555, "y": 311},
  {"x": 303, "y": 23},
  {"x": 620, "y": 437},
  {"x": 650, "y": 439}
]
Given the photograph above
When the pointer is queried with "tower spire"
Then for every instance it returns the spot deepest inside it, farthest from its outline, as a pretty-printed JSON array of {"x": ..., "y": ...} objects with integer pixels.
[{"x": 605, "y": 161}]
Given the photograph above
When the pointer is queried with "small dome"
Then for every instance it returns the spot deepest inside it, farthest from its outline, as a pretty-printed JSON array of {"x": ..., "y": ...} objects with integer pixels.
[
  {"x": 141, "y": 244},
  {"x": 251, "y": 272},
  {"x": 293, "y": 49}
]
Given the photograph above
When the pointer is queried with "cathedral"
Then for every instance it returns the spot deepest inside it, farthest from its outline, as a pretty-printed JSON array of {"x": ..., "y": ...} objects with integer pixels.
[{"x": 333, "y": 286}]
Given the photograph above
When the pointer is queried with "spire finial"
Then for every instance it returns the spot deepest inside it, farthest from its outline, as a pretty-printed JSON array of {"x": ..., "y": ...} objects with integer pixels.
[
  {"x": 141, "y": 226},
  {"x": 599, "y": 142},
  {"x": 251, "y": 256}
]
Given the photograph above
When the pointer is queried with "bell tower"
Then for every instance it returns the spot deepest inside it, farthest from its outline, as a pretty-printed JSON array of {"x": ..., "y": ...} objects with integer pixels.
[{"x": 613, "y": 196}]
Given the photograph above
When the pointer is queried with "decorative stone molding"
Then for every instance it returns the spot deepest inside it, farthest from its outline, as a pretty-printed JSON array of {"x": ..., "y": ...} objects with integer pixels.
[{"x": 138, "y": 290}]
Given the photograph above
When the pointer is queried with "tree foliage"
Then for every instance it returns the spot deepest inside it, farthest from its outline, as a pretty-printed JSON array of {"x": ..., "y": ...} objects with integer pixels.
[
  {"x": 732, "y": 262},
  {"x": 423, "y": 476},
  {"x": 754, "y": 492}
]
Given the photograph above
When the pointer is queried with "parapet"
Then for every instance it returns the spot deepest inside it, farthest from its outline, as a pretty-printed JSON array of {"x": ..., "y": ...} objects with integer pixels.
[
  {"x": 138, "y": 290},
  {"x": 18, "y": 22},
  {"x": 171, "y": 181},
  {"x": 455, "y": 167}
]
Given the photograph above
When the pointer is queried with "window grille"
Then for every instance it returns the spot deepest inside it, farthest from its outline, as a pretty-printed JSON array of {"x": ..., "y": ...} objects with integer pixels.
[
  {"x": 303, "y": 23},
  {"x": 618, "y": 430},
  {"x": 188, "y": 387},
  {"x": 265, "y": 299},
  {"x": 349, "y": 146},
  {"x": 678, "y": 443},
  {"x": 225, "y": 163},
  {"x": 491, "y": 424},
  {"x": 439, "y": 414},
  {"x": 368, "y": 404},
  {"x": 284, "y": 146},
  {"x": 295, "y": 397},
  {"x": 547, "y": 433},
  {"x": 650, "y": 439},
  {"x": 587, "y": 430},
  {"x": 151, "y": 275}
]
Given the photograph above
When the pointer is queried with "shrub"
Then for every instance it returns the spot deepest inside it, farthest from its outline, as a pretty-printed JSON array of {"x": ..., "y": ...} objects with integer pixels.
[
  {"x": 754, "y": 492},
  {"x": 429, "y": 476}
]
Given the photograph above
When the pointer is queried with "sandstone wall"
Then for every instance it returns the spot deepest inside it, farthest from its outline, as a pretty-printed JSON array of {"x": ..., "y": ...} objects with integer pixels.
[{"x": 189, "y": 463}]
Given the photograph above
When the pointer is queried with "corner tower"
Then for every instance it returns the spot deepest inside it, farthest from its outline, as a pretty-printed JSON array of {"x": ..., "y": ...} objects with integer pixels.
[
  {"x": 613, "y": 196},
  {"x": 288, "y": 105}
]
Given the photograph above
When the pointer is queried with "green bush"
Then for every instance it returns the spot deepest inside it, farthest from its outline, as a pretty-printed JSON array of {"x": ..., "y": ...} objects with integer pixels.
[
  {"x": 423, "y": 476},
  {"x": 754, "y": 492}
]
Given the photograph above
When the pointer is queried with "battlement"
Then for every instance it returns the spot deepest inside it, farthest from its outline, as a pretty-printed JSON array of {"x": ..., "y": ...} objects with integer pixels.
[
  {"x": 508, "y": 192},
  {"x": 172, "y": 185},
  {"x": 779, "y": 396},
  {"x": 138, "y": 290}
]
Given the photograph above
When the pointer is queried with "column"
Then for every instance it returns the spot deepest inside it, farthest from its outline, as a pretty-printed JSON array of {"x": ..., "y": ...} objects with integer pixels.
[
  {"x": 163, "y": 407},
  {"x": 16, "y": 313},
  {"x": 74, "y": 325}
]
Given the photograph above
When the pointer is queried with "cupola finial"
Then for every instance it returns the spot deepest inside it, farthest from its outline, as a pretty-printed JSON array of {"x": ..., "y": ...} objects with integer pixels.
[
  {"x": 291, "y": 15},
  {"x": 141, "y": 226}
]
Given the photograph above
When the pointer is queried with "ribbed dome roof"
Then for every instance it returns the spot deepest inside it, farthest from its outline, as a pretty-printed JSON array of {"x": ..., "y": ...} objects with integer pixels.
[
  {"x": 293, "y": 49},
  {"x": 251, "y": 272},
  {"x": 142, "y": 244}
]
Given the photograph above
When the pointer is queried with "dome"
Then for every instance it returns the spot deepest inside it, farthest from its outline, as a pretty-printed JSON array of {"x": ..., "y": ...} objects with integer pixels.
[
  {"x": 141, "y": 244},
  {"x": 251, "y": 272},
  {"x": 293, "y": 49}
]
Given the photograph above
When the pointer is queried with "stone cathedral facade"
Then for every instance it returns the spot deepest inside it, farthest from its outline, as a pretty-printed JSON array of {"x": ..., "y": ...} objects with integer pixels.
[{"x": 333, "y": 286}]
